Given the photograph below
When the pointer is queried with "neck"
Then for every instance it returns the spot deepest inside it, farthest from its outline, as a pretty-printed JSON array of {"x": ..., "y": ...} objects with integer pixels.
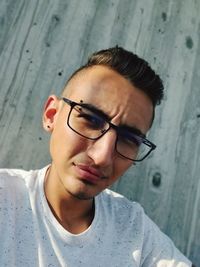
[{"x": 74, "y": 214}]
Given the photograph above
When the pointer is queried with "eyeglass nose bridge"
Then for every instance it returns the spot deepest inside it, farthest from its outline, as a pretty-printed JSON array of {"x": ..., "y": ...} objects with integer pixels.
[{"x": 104, "y": 131}]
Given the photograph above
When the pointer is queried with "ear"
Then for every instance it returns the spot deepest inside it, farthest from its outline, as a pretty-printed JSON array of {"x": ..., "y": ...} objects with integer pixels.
[{"x": 51, "y": 109}]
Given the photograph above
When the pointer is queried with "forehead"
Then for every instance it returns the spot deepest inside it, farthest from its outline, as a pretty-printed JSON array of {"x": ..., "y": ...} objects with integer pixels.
[{"x": 113, "y": 94}]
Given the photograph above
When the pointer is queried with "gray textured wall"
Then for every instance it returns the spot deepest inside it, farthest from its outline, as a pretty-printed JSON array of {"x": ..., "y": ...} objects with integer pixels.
[{"x": 43, "y": 41}]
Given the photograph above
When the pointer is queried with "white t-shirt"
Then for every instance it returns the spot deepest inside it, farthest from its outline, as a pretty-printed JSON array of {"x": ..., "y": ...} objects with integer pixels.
[{"x": 121, "y": 235}]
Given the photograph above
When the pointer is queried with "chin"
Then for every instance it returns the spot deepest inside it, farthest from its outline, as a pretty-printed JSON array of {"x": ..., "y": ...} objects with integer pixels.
[{"x": 82, "y": 196}]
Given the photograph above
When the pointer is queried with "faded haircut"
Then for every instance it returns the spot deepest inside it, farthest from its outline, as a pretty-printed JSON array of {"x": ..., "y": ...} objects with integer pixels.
[{"x": 131, "y": 67}]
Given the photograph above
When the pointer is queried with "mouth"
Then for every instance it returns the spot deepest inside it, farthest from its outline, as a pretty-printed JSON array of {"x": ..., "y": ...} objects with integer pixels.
[{"x": 88, "y": 173}]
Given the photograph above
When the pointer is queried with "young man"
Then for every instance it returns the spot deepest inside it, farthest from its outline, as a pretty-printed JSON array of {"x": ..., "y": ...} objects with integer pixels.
[{"x": 64, "y": 215}]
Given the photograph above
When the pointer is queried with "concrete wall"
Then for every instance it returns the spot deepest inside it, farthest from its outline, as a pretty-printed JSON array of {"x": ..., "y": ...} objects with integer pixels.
[{"x": 43, "y": 41}]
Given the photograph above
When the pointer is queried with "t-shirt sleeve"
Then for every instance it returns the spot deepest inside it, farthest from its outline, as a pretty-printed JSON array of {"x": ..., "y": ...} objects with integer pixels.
[{"x": 158, "y": 249}]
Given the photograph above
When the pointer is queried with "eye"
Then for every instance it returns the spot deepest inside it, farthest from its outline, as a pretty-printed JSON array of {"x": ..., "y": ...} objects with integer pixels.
[
  {"x": 130, "y": 138},
  {"x": 91, "y": 119}
]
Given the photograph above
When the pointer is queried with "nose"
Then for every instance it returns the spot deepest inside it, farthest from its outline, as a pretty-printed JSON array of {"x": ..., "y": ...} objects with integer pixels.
[{"x": 102, "y": 150}]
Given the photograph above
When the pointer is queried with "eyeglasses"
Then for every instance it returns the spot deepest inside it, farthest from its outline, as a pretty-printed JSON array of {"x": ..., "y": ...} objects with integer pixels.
[{"x": 91, "y": 123}]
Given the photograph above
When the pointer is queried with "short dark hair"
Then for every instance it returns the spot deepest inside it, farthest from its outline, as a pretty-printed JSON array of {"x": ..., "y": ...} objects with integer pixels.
[{"x": 131, "y": 67}]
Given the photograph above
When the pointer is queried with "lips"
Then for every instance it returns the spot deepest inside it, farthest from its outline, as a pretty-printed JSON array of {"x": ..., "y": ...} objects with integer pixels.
[{"x": 89, "y": 173}]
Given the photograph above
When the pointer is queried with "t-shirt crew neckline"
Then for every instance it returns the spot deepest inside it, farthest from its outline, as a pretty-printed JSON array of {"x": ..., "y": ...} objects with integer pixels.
[{"x": 66, "y": 236}]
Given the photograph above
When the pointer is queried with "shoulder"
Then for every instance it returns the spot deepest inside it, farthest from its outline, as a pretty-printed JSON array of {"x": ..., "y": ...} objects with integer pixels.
[
  {"x": 116, "y": 200},
  {"x": 14, "y": 176},
  {"x": 140, "y": 230},
  {"x": 17, "y": 181},
  {"x": 122, "y": 209},
  {"x": 12, "y": 173},
  {"x": 11, "y": 176}
]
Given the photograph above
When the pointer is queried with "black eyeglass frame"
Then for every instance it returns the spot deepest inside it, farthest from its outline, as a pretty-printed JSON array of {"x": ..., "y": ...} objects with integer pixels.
[{"x": 111, "y": 125}]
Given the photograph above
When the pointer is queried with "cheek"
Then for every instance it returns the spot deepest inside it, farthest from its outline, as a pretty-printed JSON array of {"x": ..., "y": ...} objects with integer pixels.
[
  {"x": 120, "y": 166},
  {"x": 65, "y": 143}
]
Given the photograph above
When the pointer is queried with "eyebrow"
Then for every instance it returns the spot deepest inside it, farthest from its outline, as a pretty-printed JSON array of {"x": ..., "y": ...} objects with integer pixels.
[
  {"x": 132, "y": 129},
  {"x": 101, "y": 113}
]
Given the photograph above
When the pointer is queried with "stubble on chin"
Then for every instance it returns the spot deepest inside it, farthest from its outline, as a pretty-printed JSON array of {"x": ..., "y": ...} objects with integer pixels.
[{"x": 82, "y": 196}]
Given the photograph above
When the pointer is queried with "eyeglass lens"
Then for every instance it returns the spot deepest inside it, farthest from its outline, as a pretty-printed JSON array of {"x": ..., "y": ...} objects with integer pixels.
[{"x": 91, "y": 125}]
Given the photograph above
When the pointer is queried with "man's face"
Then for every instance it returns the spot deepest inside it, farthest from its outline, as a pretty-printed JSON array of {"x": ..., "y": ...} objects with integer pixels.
[{"x": 83, "y": 167}]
